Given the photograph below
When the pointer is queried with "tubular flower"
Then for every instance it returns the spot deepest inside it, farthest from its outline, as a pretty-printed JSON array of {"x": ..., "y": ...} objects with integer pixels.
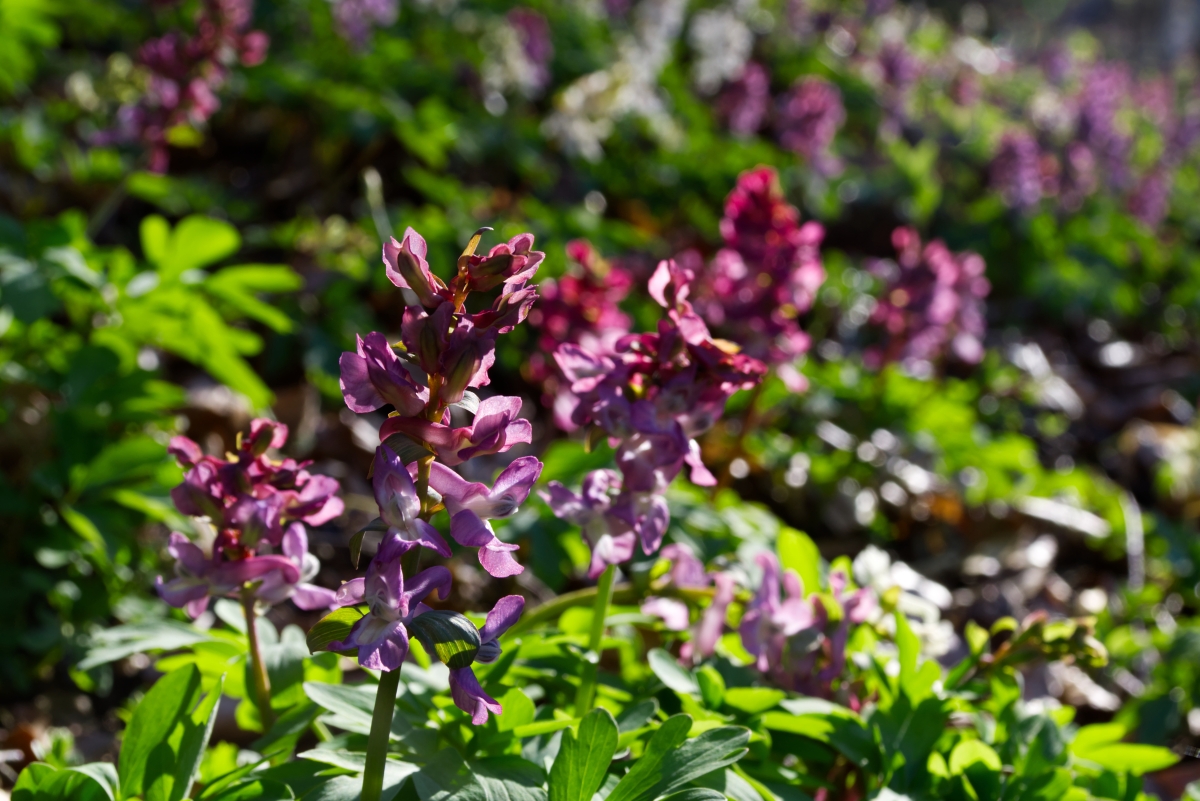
[
  {"x": 374, "y": 376},
  {"x": 380, "y": 635},
  {"x": 464, "y": 686},
  {"x": 199, "y": 576},
  {"x": 496, "y": 429},
  {"x": 611, "y": 538},
  {"x": 471, "y": 505},
  {"x": 399, "y": 506}
]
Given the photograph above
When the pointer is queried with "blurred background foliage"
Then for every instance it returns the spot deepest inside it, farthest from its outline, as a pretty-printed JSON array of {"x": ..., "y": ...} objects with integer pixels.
[{"x": 176, "y": 257}]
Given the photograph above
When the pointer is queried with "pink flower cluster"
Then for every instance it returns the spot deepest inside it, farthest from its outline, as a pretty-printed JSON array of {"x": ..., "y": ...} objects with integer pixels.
[
  {"x": 688, "y": 572},
  {"x": 800, "y": 642},
  {"x": 1097, "y": 149},
  {"x": 443, "y": 352},
  {"x": 808, "y": 117},
  {"x": 650, "y": 397},
  {"x": 255, "y": 505},
  {"x": 580, "y": 307},
  {"x": 766, "y": 276},
  {"x": 933, "y": 301},
  {"x": 186, "y": 72}
]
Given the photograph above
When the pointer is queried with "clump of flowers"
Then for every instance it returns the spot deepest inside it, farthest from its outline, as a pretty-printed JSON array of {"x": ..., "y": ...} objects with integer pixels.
[
  {"x": 253, "y": 506},
  {"x": 800, "y": 640},
  {"x": 744, "y": 102},
  {"x": 767, "y": 275},
  {"x": 650, "y": 398},
  {"x": 1016, "y": 170},
  {"x": 184, "y": 75},
  {"x": 808, "y": 118},
  {"x": 355, "y": 19},
  {"x": 932, "y": 304},
  {"x": 518, "y": 52},
  {"x": 580, "y": 307},
  {"x": 444, "y": 352}
]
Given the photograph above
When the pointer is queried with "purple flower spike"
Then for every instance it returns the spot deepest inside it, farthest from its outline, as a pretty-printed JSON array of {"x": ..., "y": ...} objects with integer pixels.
[
  {"x": 399, "y": 505},
  {"x": 464, "y": 686},
  {"x": 374, "y": 376},
  {"x": 380, "y": 635}
]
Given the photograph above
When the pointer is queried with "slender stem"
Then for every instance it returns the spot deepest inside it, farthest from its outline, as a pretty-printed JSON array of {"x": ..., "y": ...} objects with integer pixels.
[
  {"x": 262, "y": 682},
  {"x": 587, "y": 687},
  {"x": 377, "y": 740}
]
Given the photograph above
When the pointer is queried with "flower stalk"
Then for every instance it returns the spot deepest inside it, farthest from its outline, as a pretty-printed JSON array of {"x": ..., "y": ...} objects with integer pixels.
[
  {"x": 377, "y": 740},
  {"x": 587, "y": 688},
  {"x": 258, "y": 668}
]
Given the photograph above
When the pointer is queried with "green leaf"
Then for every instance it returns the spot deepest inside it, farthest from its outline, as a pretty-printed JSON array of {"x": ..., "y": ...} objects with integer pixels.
[
  {"x": 334, "y": 627},
  {"x": 256, "y": 790},
  {"x": 1089, "y": 738},
  {"x": 798, "y": 552},
  {"x": 843, "y": 732},
  {"x": 41, "y": 782},
  {"x": 118, "y": 642},
  {"x": 165, "y": 740},
  {"x": 518, "y": 710},
  {"x": 583, "y": 758},
  {"x": 712, "y": 750},
  {"x": 753, "y": 700},
  {"x": 1132, "y": 758},
  {"x": 970, "y": 752},
  {"x": 156, "y": 236},
  {"x": 447, "y": 778},
  {"x": 712, "y": 686},
  {"x": 695, "y": 794},
  {"x": 239, "y": 286},
  {"x": 648, "y": 772},
  {"x": 196, "y": 242},
  {"x": 670, "y": 673}
]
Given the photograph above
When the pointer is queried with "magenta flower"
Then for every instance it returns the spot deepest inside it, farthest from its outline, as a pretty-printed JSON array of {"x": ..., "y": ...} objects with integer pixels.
[
  {"x": 512, "y": 263},
  {"x": 380, "y": 635},
  {"x": 495, "y": 429},
  {"x": 766, "y": 276},
  {"x": 407, "y": 268},
  {"x": 809, "y": 118},
  {"x": 374, "y": 376},
  {"x": 471, "y": 504},
  {"x": 744, "y": 102},
  {"x": 199, "y": 577},
  {"x": 464, "y": 686},
  {"x": 1016, "y": 170},
  {"x": 770, "y": 620},
  {"x": 688, "y": 572},
  {"x": 399, "y": 506},
  {"x": 275, "y": 588},
  {"x": 933, "y": 303},
  {"x": 611, "y": 537}
]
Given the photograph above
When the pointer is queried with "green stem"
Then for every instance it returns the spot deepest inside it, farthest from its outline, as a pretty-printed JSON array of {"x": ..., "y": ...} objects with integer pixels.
[
  {"x": 262, "y": 682},
  {"x": 377, "y": 740},
  {"x": 587, "y": 687}
]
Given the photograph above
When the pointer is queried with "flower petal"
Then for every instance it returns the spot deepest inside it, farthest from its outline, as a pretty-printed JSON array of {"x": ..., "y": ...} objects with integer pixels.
[
  {"x": 504, "y": 614},
  {"x": 470, "y": 697}
]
